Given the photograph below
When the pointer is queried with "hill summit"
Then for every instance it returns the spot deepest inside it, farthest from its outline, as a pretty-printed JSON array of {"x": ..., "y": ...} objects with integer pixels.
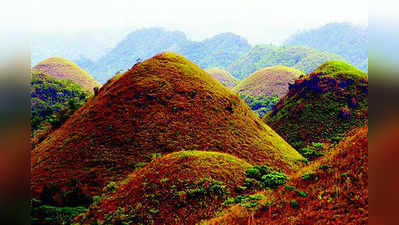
[
  {"x": 63, "y": 69},
  {"x": 223, "y": 77},
  {"x": 269, "y": 81},
  {"x": 162, "y": 105},
  {"x": 322, "y": 106}
]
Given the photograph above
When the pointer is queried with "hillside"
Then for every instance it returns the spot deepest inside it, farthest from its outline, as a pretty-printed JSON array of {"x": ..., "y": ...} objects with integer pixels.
[
  {"x": 322, "y": 106},
  {"x": 223, "y": 77},
  {"x": 347, "y": 40},
  {"x": 63, "y": 69},
  {"x": 50, "y": 96},
  {"x": 179, "y": 188},
  {"x": 162, "y": 105},
  {"x": 270, "y": 81},
  {"x": 331, "y": 190},
  {"x": 302, "y": 58},
  {"x": 218, "y": 51}
]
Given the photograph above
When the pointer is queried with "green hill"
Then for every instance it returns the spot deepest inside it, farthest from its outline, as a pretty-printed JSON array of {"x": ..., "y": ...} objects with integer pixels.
[
  {"x": 261, "y": 56},
  {"x": 322, "y": 106}
]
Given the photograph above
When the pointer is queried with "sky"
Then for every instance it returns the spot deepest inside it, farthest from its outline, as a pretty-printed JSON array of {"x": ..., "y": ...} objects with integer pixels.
[{"x": 259, "y": 21}]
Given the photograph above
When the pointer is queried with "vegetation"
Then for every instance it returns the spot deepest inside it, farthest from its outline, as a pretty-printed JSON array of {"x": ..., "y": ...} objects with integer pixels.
[
  {"x": 322, "y": 106},
  {"x": 338, "y": 196},
  {"x": 162, "y": 105},
  {"x": 344, "y": 39},
  {"x": 299, "y": 57},
  {"x": 223, "y": 77},
  {"x": 64, "y": 69},
  {"x": 53, "y": 101},
  {"x": 179, "y": 188},
  {"x": 270, "y": 81},
  {"x": 261, "y": 104}
]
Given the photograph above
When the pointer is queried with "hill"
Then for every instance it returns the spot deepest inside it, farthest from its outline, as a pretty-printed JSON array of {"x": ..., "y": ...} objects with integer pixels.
[
  {"x": 331, "y": 190},
  {"x": 344, "y": 39},
  {"x": 162, "y": 105},
  {"x": 179, "y": 188},
  {"x": 270, "y": 81},
  {"x": 50, "y": 96},
  {"x": 218, "y": 51},
  {"x": 223, "y": 77},
  {"x": 261, "y": 56},
  {"x": 63, "y": 69},
  {"x": 322, "y": 106}
]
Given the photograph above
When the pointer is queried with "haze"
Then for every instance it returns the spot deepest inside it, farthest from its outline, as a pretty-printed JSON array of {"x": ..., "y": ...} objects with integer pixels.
[{"x": 258, "y": 21}]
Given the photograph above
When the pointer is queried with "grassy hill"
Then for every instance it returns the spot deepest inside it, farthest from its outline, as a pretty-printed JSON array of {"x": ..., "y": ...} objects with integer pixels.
[
  {"x": 162, "y": 105},
  {"x": 302, "y": 58},
  {"x": 63, "y": 69},
  {"x": 53, "y": 101},
  {"x": 178, "y": 188},
  {"x": 347, "y": 40},
  {"x": 322, "y": 106},
  {"x": 270, "y": 81},
  {"x": 223, "y": 77},
  {"x": 331, "y": 190}
]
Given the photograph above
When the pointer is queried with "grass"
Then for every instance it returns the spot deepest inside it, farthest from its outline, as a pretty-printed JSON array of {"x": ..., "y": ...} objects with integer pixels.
[
  {"x": 327, "y": 197},
  {"x": 180, "y": 187},
  {"x": 322, "y": 106},
  {"x": 63, "y": 69},
  {"x": 162, "y": 105},
  {"x": 270, "y": 81},
  {"x": 223, "y": 77}
]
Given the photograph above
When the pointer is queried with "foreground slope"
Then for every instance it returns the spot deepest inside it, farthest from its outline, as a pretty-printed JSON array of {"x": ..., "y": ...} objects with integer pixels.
[
  {"x": 162, "y": 105},
  {"x": 223, "y": 77},
  {"x": 63, "y": 69},
  {"x": 179, "y": 188},
  {"x": 322, "y": 106},
  {"x": 270, "y": 81},
  {"x": 331, "y": 190}
]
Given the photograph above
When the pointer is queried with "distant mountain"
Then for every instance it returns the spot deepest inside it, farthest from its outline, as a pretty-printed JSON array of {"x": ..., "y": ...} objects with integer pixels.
[
  {"x": 218, "y": 51},
  {"x": 302, "y": 58},
  {"x": 344, "y": 39}
]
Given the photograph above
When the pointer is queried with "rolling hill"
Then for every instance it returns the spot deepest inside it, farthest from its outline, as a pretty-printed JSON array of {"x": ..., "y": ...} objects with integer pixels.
[
  {"x": 179, "y": 188},
  {"x": 300, "y": 57},
  {"x": 223, "y": 77},
  {"x": 322, "y": 106},
  {"x": 64, "y": 69},
  {"x": 345, "y": 39},
  {"x": 162, "y": 105},
  {"x": 270, "y": 81},
  {"x": 331, "y": 190}
]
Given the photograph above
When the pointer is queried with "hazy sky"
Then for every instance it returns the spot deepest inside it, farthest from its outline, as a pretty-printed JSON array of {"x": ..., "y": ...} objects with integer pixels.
[{"x": 259, "y": 21}]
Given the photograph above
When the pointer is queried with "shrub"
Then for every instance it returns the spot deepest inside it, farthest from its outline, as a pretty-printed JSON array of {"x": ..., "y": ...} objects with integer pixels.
[
  {"x": 294, "y": 204},
  {"x": 312, "y": 152},
  {"x": 254, "y": 173},
  {"x": 274, "y": 179}
]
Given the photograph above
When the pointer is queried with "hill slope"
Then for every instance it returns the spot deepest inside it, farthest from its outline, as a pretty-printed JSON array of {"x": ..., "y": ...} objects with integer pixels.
[
  {"x": 322, "y": 105},
  {"x": 162, "y": 105},
  {"x": 331, "y": 190},
  {"x": 223, "y": 77},
  {"x": 344, "y": 39},
  {"x": 179, "y": 188},
  {"x": 261, "y": 56},
  {"x": 63, "y": 69},
  {"x": 270, "y": 81}
]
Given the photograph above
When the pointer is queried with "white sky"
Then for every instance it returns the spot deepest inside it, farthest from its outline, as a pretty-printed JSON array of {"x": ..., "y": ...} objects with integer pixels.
[{"x": 259, "y": 21}]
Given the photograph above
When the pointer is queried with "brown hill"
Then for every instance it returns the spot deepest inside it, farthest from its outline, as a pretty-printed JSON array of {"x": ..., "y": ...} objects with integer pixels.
[
  {"x": 63, "y": 69},
  {"x": 179, "y": 188},
  {"x": 223, "y": 77},
  {"x": 270, "y": 81},
  {"x": 162, "y": 105},
  {"x": 331, "y": 190}
]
